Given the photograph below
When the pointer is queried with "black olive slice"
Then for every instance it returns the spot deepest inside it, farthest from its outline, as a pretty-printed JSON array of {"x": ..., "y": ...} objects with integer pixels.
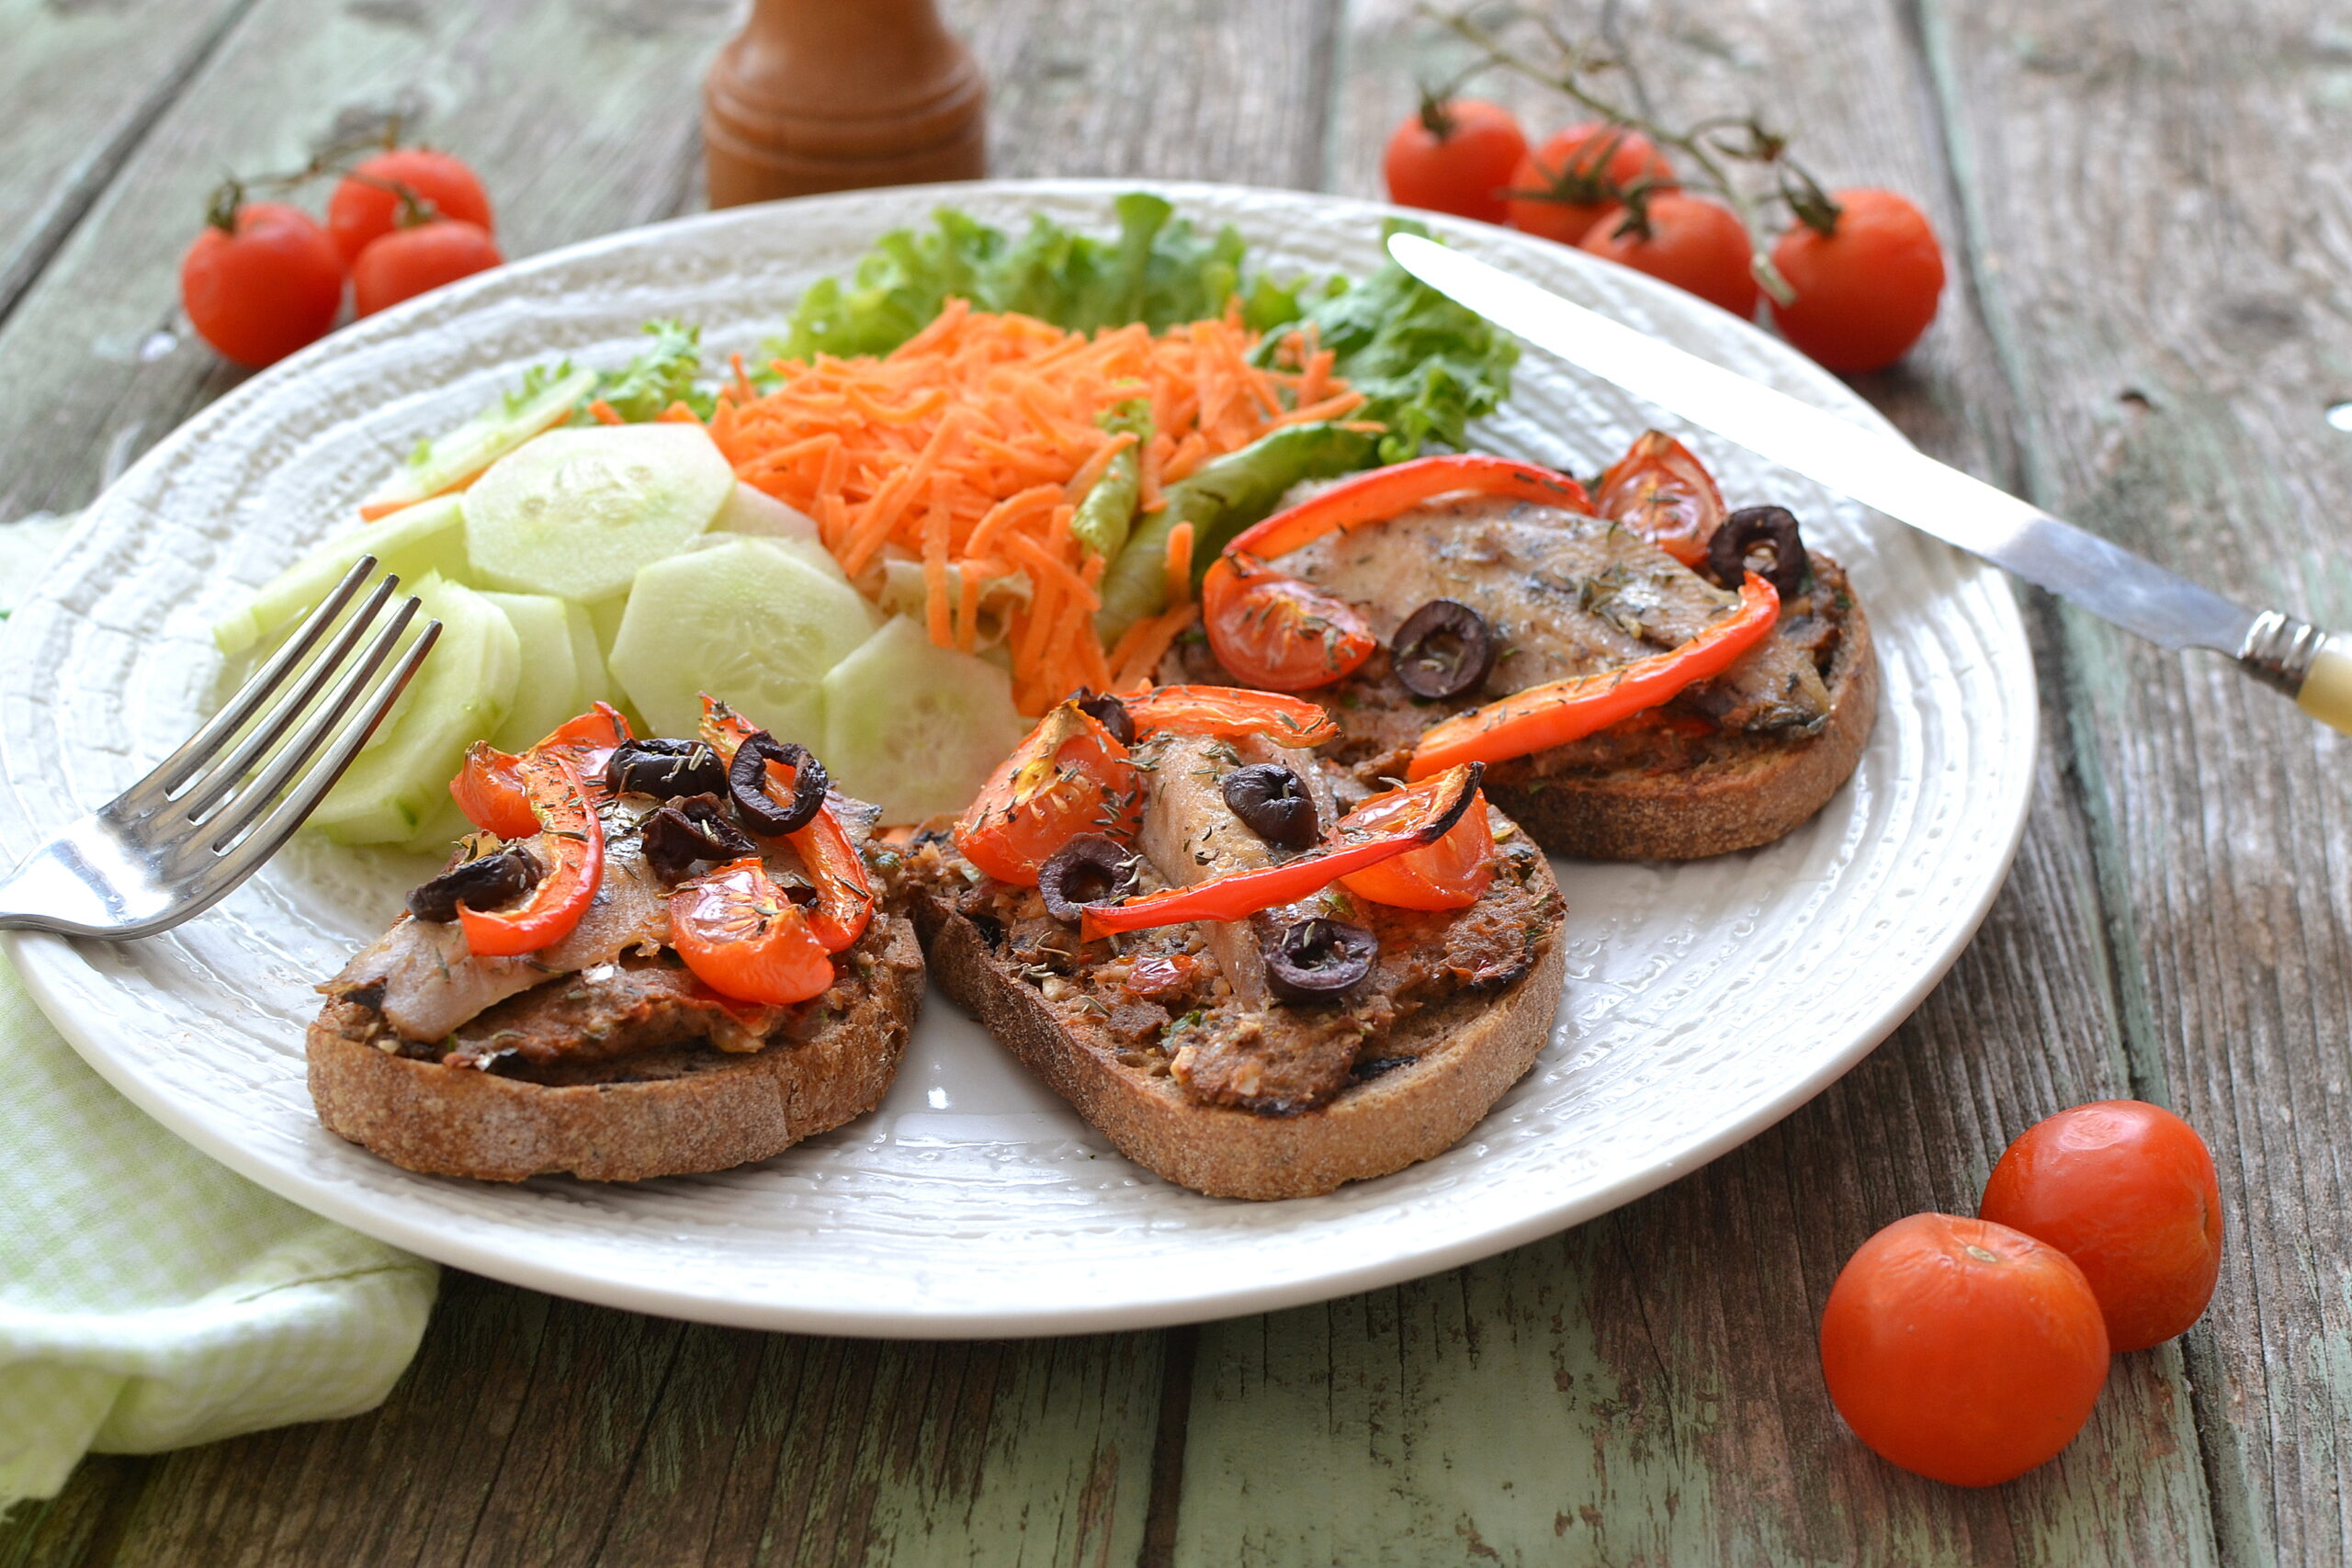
[
  {"x": 1772, "y": 529},
  {"x": 483, "y": 884},
  {"x": 747, "y": 781},
  {"x": 685, "y": 832},
  {"x": 664, "y": 769},
  {"x": 1314, "y": 961},
  {"x": 1107, "y": 711},
  {"x": 1443, "y": 649},
  {"x": 1090, "y": 869},
  {"x": 1274, "y": 803}
]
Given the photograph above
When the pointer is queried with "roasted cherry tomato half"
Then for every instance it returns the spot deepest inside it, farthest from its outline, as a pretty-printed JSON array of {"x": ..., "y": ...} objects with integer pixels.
[
  {"x": 1662, "y": 492},
  {"x": 1452, "y": 873},
  {"x": 1271, "y": 629},
  {"x": 1966, "y": 1352},
  {"x": 2127, "y": 1190},
  {"x": 1071, "y": 777},
  {"x": 744, "y": 939}
]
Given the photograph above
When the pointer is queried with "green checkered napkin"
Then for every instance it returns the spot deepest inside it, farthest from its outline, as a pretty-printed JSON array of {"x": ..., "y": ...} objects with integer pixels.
[{"x": 150, "y": 1298}]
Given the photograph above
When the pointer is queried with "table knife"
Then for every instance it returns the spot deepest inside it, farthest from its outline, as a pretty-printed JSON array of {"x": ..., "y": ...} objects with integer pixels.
[{"x": 1883, "y": 471}]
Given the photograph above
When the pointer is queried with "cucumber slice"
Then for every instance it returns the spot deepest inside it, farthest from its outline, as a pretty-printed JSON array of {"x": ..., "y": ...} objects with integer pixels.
[
  {"x": 424, "y": 538},
  {"x": 460, "y": 694},
  {"x": 762, "y": 516},
  {"x": 743, "y": 620},
  {"x": 578, "y": 512},
  {"x": 914, "y": 728},
  {"x": 587, "y": 655},
  {"x": 448, "y": 461},
  {"x": 547, "y": 690}
]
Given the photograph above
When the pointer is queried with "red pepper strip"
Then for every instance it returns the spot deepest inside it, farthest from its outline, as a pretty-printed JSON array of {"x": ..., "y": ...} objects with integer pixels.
[
  {"x": 571, "y": 845},
  {"x": 1230, "y": 710},
  {"x": 744, "y": 939},
  {"x": 1380, "y": 493},
  {"x": 489, "y": 789},
  {"x": 844, "y": 893},
  {"x": 1241, "y": 894},
  {"x": 1560, "y": 711}
]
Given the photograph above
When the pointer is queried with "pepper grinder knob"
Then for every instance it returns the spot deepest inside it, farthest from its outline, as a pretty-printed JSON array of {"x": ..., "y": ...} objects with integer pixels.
[{"x": 830, "y": 95}]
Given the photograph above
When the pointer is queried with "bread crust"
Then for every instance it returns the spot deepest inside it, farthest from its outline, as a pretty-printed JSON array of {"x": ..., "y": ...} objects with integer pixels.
[
  {"x": 671, "y": 1112},
  {"x": 1470, "y": 1049},
  {"x": 1726, "y": 804}
]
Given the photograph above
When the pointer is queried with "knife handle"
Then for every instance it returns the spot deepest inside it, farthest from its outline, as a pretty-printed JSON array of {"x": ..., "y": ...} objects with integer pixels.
[{"x": 2326, "y": 693}]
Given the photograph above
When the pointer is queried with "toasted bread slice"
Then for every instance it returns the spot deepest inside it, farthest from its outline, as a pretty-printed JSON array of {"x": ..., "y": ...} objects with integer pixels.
[
  {"x": 670, "y": 1110},
  {"x": 1171, "y": 1042},
  {"x": 1730, "y": 791}
]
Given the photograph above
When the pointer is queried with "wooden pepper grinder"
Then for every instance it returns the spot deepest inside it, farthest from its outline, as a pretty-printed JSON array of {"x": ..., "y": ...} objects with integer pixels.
[{"x": 836, "y": 95}]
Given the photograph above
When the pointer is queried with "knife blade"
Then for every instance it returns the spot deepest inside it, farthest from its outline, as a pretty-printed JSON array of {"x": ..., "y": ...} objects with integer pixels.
[{"x": 1886, "y": 473}]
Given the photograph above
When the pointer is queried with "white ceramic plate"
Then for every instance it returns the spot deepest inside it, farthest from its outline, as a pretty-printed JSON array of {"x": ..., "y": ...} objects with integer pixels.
[{"x": 1704, "y": 1001}]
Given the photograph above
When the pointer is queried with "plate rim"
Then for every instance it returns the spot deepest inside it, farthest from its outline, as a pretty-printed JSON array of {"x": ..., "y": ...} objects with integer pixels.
[{"x": 35, "y": 954}]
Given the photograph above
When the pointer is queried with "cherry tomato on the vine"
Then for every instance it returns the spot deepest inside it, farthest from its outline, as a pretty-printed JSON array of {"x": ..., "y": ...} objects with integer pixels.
[
  {"x": 2127, "y": 1190},
  {"x": 1864, "y": 291},
  {"x": 1963, "y": 1351},
  {"x": 366, "y": 206},
  {"x": 407, "y": 262},
  {"x": 1692, "y": 242},
  {"x": 1581, "y": 172},
  {"x": 1454, "y": 155},
  {"x": 261, "y": 281}
]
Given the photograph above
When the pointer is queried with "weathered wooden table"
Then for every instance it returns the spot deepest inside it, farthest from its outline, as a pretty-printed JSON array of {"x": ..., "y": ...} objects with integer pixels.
[{"x": 2150, "y": 221}]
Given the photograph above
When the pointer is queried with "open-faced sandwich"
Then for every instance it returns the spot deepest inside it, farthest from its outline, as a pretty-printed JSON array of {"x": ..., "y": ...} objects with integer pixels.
[
  {"x": 653, "y": 957},
  {"x": 1258, "y": 975},
  {"x": 1638, "y": 688}
]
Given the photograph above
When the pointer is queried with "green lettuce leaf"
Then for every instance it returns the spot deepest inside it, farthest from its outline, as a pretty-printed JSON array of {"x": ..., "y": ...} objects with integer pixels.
[
  {"x": 1426, "y": 367},
  {"x": 661, "y": 375}
]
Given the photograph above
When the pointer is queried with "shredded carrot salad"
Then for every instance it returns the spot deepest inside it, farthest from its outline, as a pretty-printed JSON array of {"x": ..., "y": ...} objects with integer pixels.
[{"x": 972, "y": 444}]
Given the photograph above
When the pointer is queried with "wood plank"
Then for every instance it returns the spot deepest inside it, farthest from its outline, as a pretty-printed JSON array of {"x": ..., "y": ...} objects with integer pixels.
[
  {"x": 82, "y": 84},
  {"x": 1647, "y": 1388},
  {"x": 497, "y": 80},
  {"x": 2161, "y": 202}
]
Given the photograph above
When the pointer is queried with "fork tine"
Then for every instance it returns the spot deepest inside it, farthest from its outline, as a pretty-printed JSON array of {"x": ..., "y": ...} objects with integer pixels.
[
  {"x": 358, "y": 688},
  {"x": 210, "y": 786},
  {"x": 176, "y": 770},
  {"x": 239, "y": 861}
]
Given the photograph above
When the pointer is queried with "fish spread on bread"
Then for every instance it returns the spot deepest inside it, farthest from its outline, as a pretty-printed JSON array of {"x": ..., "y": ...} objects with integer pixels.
[
  {"x": 684, "y": 968},
  {"x": 1222, "y": 960},
  {"x": 1489, "y": 581}
]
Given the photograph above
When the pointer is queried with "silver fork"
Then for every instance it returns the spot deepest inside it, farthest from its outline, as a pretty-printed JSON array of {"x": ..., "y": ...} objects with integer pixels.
[{"x": 174, "y": 843}]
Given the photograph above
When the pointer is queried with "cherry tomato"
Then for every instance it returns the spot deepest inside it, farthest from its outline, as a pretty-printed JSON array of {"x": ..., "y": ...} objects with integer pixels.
[
  {"x": 1867, "y": 289},
  {"x": 261, "y": 281},
  {"x": 743, "y": 938},
  {"x": 1966, "y": 1352},
  {"x": 407, "y": 262},
  {"x": 2127, "y": 1190},
  {"x": 1582, "y": 172},
  {"x": 1452, "y": 873},
  {"x": 1454, "y": 156},
  {"x": 1071, "y": 777},
  {"x": 1693, "y": 243},
  {"x": 1272, "y": 630},
  {"x": 1662, "y": 492},
  {"x": 366, "y": 206}
]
